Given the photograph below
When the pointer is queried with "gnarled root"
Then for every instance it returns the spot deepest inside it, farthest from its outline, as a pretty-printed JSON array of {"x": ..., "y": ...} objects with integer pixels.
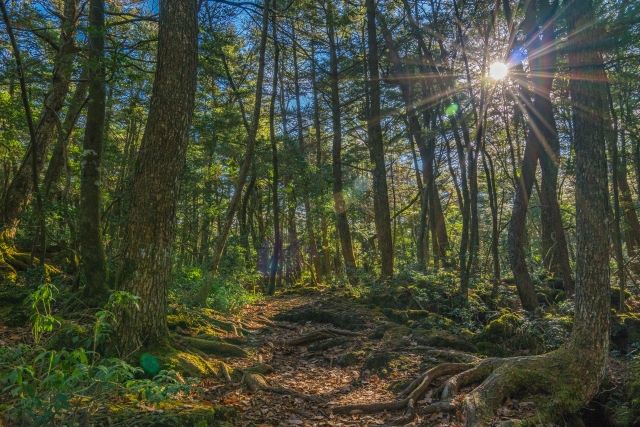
[
  {"x": 562, "y": 379},
  {"x": 320, "y": 334},
  {"x": 413, "y": 393},
  {"x": 212, "y": 346}
]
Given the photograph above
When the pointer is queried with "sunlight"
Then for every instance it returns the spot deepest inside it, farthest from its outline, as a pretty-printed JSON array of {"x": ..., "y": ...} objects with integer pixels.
[{"x": 498, "y": 70}]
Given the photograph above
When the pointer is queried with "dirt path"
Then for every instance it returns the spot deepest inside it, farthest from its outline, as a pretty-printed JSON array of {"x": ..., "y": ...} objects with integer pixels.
[{"x": 370, "y": 362}]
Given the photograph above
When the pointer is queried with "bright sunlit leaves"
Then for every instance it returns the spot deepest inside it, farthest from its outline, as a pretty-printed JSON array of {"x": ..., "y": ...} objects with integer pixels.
[
  {"x": 451, "y": 110},
  {"x": 498, "y": 70}
]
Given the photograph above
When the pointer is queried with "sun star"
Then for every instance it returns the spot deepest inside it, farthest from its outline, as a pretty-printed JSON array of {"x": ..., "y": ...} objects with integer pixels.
[{"x": 498, "y": 70}]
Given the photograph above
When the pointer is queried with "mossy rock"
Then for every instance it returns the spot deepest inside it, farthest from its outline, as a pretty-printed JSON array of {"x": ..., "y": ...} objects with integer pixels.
[
  {"x": 379, "y": 361},
  {"x": 341, "y": 319},
  {"x": 170, "y": 414},
  {"x": 503, "y": 326},
  {"x": 443, "y": 339},
  {"x": 507, "y": 334}
]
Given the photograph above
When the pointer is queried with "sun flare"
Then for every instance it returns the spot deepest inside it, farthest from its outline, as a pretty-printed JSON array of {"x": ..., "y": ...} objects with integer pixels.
[{"x": 498, "y": 70}]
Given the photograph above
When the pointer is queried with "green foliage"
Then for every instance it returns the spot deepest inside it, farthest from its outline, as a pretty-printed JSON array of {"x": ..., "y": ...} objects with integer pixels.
[
  {"x": 45, "y": 385},
  {"x": 106, "y": 317},
  {"x": 228, "y": 292},
  {"x": 43, "y": 320}
]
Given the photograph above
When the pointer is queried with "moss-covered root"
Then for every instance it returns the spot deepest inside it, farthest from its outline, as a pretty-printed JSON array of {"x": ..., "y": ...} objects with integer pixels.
[
  {"x": 192, "y": 362},
  {"x": 214, "y": 347},
  {"x": 561, "y": 379}
]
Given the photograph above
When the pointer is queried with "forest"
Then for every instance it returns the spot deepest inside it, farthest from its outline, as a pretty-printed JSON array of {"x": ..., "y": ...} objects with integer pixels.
[{"x": 319, "y": 213}]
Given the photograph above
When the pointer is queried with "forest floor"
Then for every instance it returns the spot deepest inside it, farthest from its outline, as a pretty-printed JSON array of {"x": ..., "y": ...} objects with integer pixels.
[
  {"x": 326, "y": 353},
  {"x": 295, "y": 359}
]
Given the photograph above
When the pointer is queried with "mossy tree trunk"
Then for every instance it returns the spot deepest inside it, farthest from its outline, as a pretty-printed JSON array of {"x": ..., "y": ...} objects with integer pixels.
[
  {"x": 92, "y": 262},
  {"x": 147, "y": 254},
  {"x": 588, "y": 89}
]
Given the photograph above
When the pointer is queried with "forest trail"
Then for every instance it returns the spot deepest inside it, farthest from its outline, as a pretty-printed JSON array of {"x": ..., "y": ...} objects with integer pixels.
[{"x": 327, "y": 353}]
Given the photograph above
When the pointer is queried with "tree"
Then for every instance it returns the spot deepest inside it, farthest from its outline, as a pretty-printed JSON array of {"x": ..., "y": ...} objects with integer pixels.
[
  {"x": 376, "y": 149},
  {"x": 147, "y": 254},
  {"x": 92, "y": 263},
  {"x": 277, "y": 238},
  {"x": 339, "y": 204}
]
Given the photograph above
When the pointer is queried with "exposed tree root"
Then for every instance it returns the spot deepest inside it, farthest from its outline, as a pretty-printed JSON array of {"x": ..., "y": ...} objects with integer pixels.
[
  {"x": 268, "y": 322},
  {"x": 257, "y": 382},
  {"x": 320, "y": 334},
  {"x": 210, "y": 346},
  {"x": 413, "y": 392},
  {"x": 448, "y": 354},
  {"x": 561, "y": 379}
]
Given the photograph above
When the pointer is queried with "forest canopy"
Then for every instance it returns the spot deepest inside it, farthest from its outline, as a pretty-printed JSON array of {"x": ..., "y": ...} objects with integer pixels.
[{"x": 294, "y": 212}]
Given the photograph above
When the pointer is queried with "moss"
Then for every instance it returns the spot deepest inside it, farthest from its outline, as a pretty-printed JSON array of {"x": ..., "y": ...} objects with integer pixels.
[
  {"x": 200, "y": 321},
  {"x": 444, "y": 339},
  {"x": 188, "y": 363},
  {"x": 215, "y": 347},
  {"x": 504, "y": 325},
  {"x": 171, "y": 413},
  {"x": 341, "y": 319},
  {"x": 509, "y": 333}
]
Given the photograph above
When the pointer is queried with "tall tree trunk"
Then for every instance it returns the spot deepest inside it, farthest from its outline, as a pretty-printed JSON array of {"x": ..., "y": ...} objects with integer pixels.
[
  {"x": 376, "y": 148},
  {"x": 340, "y": 208},
  {"x": 588, "y": 88},
  {"x": 309, "y": 228},
  {"x": 92, "y": 259},
  {"x": 532, "y": 103},
  {"x": 493, "y": 205},
  {"x": 277, "y": 238},
  {"x": 555, "y": 249},
  {"x": 615, "y": 177},
  {"x": 21, "y": 189},
  {"x": 325, "y": 257},
  {"x": 147, "y": 255}
]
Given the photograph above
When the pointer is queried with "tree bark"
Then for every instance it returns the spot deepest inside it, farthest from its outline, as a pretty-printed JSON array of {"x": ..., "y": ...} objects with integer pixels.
[
  {"x": 376, "y": 148},
  {"x": 339, "y": 204},
  {"x": 277, "y": 238},
  {"x": 147, "y": 254},
  {"x": 92, "y": 260},
  {"x": 588, "y": 88}
]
